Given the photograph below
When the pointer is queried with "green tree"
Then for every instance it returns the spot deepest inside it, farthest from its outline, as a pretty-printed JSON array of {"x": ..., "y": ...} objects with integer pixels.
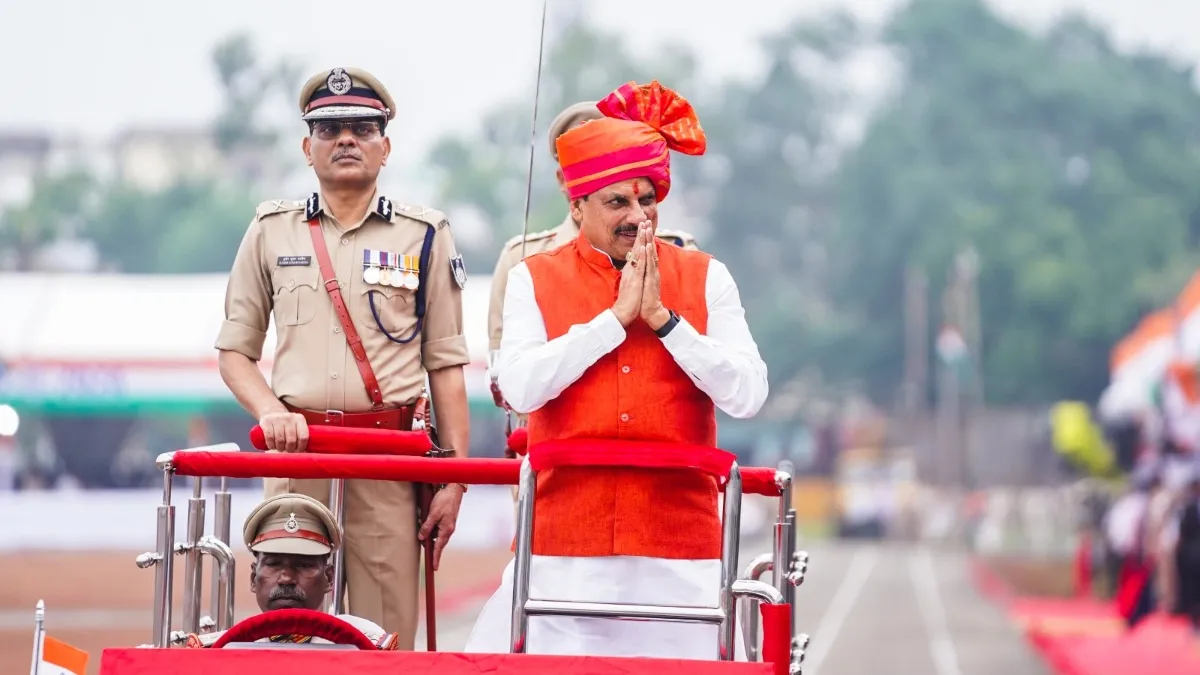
[
  {"x": 1068, "y": 165},
  {"x": 56, "y": 203},
  {"x": 487, "y": 170},
  {"x": 189, "y": 227},
  {"x": 196, "y": 225},
  {"x": 773, "y": 151},
  {"x": 192, "y": 226},
  {"x": 247, "y": 84}
]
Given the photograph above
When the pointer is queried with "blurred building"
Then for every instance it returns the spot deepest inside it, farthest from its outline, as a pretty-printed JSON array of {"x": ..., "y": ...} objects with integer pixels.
[
  {"x": 23, "y": 156},
  {"x": 153, "y": 159}
]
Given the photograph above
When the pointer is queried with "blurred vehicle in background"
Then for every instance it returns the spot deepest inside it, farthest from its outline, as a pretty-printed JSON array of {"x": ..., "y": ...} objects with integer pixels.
[{"x": 876, "y": 493}]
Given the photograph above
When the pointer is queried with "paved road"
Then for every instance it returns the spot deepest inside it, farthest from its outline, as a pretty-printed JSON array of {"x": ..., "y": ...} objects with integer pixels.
[
  {"x": 873, "y": 609},
  {"x": 906, "y": 610}
]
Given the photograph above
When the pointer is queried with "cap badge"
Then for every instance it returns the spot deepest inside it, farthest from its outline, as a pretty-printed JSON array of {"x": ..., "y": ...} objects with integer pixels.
[
  {"x": 291, "y": 526},
  {"x": 338, "y": 82}
]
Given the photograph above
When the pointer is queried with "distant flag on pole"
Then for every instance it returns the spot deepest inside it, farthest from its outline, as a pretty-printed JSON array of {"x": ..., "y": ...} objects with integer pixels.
[{"x": 51, "y": 656}]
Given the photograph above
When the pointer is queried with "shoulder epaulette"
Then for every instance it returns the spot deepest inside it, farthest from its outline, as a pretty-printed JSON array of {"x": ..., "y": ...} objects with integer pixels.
[
  {"x": 274, "y": 206},
  {"x": 422, "y": 214},
  {"x": 532, "y": 236}
]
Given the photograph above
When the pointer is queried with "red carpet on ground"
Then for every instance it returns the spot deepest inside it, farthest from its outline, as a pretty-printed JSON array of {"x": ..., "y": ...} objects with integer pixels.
[
  {"x": 1159, "y": 645},
  {"x": 1084, "y": 636}
]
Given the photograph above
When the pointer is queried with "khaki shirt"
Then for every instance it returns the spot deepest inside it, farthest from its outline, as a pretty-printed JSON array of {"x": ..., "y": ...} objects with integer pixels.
[
  {"x": 276, "y": 273},
  {"x": 538, "y": 242}
]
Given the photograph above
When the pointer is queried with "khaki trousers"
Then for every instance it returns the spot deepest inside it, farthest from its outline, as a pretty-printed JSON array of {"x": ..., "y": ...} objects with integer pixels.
[{"x": 382, "y": 553}]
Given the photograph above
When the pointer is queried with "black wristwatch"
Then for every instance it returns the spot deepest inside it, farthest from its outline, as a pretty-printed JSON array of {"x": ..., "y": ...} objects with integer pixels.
[{"x": 665, "y": 329}]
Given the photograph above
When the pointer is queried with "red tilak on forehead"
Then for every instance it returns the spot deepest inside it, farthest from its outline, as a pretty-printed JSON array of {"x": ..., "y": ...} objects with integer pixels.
[{"x": 637, "y": 189}]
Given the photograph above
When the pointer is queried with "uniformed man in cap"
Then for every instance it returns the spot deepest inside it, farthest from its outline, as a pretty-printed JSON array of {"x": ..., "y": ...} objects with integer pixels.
[
  {"x": 567, "y": 231},
  {"x": 292, "y": 538},
  {"x": 366, "y": 294}
]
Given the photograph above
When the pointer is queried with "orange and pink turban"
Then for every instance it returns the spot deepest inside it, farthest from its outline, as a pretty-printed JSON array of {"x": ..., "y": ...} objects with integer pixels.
[{"x": 641, "y": 125}]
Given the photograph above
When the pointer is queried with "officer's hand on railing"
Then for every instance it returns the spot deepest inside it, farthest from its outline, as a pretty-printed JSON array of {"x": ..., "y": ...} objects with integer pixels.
[{"x": 284, "y": 431}]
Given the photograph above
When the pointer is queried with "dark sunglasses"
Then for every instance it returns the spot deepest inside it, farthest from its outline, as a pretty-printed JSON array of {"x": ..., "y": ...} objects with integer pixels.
[{"x": 328, "y": 130}]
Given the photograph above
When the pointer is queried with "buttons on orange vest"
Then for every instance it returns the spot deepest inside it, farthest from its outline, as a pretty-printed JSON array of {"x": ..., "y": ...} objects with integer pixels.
[
  {"x": 624, "y": 417},
  {"x": 626, "y": 369}
]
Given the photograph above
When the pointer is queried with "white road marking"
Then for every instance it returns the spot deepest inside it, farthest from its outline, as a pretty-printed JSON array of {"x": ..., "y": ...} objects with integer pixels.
[
  {"x": 933, "y": 613},
  {"x": 839, "y": 609}
]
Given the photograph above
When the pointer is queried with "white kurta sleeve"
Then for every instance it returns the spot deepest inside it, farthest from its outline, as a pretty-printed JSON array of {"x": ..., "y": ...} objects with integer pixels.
[
  {"x": 725, "y": 363},
  {"x": 531, "y": 369}
]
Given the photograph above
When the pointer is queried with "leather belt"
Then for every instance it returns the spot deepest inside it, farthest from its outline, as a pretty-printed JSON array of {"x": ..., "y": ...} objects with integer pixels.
[{"x": 400, "y": 418}]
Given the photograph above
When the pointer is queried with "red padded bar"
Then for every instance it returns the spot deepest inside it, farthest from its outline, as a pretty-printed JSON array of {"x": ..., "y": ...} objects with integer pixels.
[
  {"x": 777, "y": 636},
  {"x": 367, "y": 467},
  {"x": 383, "y": 467},
  {"x": 759, "y": 481},
  {"x": 639, "y": 454},
  {"x": 354, "y": 441}
]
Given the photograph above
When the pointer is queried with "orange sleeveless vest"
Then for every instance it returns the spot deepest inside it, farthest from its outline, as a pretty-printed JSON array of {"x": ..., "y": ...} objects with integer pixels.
[{"x": 636, "y": 392}]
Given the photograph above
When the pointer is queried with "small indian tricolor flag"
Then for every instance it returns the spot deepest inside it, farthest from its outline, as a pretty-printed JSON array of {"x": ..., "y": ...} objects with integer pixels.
[
  {"x": 60, "y": 658},
  {"x": 51, "y": 656}
]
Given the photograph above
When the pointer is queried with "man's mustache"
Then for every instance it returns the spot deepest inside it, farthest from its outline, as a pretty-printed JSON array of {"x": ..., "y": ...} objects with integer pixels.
[
  {"x": 288, "y": 593},
  {"x": 626, "y": 228},
  {"x": 342, "y": 155}
]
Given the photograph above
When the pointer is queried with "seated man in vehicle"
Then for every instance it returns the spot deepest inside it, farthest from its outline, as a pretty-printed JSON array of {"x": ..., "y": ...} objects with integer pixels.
[
  {"x": 617, "y": 335},
  {"x": 292, "y": 537}
]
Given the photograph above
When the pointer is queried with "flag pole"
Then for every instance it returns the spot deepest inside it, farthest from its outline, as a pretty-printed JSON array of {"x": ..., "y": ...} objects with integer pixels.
[
  {"x": 39, "y": 633},
  {"x": 537, "y": 90}
]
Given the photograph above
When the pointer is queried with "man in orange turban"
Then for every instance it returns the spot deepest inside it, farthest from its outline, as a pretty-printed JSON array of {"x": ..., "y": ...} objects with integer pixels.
[{"x": 619, "y": 336}]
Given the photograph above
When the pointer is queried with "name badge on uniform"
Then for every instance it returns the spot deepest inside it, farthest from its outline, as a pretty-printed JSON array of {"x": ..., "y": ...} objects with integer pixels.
[{"x": 294, "y": 261}]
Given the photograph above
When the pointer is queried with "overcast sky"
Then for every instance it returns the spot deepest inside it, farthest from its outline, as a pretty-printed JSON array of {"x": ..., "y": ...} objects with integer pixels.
[{"x": 87, "y": 67}]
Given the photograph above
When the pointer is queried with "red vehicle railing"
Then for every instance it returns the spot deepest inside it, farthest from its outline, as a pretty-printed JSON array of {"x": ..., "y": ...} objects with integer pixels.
[{"x": 341, "y": 453}]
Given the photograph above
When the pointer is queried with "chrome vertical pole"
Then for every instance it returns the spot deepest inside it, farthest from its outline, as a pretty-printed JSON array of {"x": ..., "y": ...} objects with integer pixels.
[
  {"x": 750, "y": 619},
  {"x": 222, "y": 505},
  {"x": 730, "y": 542},
  {"x": 782, "y": 535},
  {"x": 165, "y": 563},
  {"x": 193, "y": 564},
  {"x": 523, "y": 558},
  {"x": 790, "y": 592},
  {"x": 224, "y": 583},
  {"x": 337, "y": 504}
]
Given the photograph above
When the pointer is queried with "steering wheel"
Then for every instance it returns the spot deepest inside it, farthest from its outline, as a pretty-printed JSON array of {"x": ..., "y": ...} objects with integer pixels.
[{"x": 296, "y": 622}]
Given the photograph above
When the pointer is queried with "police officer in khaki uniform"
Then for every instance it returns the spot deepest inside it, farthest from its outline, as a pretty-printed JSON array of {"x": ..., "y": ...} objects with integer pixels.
[
  {"x": 292, "y": 538},
  {"x": 537, "y": 242},
  {"x": 367, "y": 299}
]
